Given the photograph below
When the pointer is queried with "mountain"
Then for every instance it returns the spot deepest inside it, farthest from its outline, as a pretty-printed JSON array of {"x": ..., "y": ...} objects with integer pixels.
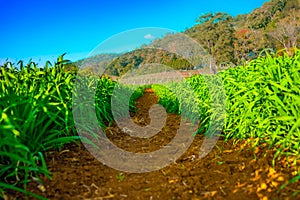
[
  {"x": 222, "y": 41},
  {"x": 96, "y": 63}
]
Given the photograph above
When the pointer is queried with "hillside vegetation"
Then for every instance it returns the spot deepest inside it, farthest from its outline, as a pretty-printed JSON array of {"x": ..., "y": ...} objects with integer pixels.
[{"x": 229, "y": 41}]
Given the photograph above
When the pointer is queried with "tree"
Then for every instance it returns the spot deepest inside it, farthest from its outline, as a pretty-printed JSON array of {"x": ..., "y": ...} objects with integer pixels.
[
  {"x": 287, "y": 30},
  {"x": 204, "y": 18},
  {"x": 261, "y": 17},
  {"x": 249, "y": 43},
  {"x": 215, "y": 33},
  {"x": 242, "y": 44}
]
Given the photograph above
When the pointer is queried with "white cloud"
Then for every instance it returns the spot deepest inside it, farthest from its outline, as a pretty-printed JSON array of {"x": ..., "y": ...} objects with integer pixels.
[{"x": 149, "y": 36}]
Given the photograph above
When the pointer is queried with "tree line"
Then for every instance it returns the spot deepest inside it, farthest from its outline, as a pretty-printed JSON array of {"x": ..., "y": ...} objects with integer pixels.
[{"x": 227, "y": 40}]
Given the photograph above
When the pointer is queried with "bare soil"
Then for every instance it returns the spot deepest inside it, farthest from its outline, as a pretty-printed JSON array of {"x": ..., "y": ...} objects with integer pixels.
[{"x": 232, "y": 170}]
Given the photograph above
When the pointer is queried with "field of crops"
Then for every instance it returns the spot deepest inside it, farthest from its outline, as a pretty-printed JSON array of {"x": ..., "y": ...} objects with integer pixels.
[{"x": 260, "y": 101}]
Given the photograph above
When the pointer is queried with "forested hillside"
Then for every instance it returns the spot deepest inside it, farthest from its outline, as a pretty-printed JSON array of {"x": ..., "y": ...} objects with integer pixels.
[{"x": 228, "y": 40}]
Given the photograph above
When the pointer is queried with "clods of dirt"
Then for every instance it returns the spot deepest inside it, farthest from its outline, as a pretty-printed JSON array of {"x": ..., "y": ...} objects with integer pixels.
[{"x": 232, "y": 170}]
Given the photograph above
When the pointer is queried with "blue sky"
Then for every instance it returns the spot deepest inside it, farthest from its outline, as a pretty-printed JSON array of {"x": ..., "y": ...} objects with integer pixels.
[{"x": 45, "y": 29}]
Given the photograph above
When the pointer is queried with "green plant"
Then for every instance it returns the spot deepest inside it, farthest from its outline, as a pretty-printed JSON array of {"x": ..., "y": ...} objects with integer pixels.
[
  {"x": 35, "y": 116},
  {"x": 262, "y": 102},
  {"x": 120, "y": 176}
]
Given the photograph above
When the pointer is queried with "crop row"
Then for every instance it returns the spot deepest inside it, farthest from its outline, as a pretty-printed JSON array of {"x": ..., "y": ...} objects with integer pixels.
[
  {"x": 36, "y": 115},
  {"x": 260, "y": 100}
]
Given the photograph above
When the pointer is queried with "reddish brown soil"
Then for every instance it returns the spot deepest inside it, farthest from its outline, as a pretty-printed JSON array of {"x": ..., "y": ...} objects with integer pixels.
[{"x": 227, "y": 172}]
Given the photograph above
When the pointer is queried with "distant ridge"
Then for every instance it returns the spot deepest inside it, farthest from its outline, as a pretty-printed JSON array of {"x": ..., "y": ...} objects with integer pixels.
[{"x": 230, "y": 41}]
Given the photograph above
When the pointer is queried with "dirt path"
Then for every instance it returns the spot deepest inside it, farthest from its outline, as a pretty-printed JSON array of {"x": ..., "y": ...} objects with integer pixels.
[{"x": 227, "y": 172}]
